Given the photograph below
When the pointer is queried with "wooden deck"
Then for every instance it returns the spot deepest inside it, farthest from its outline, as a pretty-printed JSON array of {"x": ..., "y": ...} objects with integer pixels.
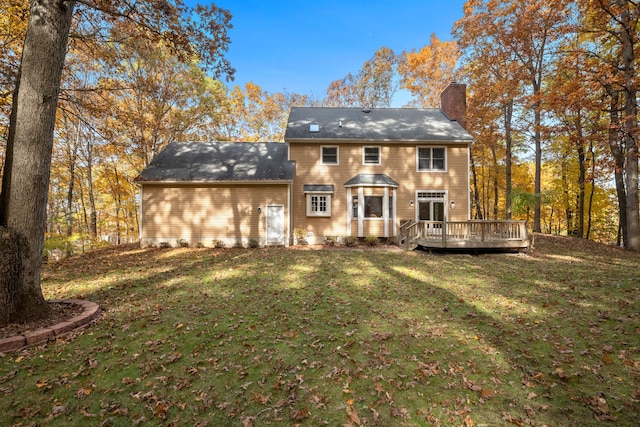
[{"x": 473, "y": 235}]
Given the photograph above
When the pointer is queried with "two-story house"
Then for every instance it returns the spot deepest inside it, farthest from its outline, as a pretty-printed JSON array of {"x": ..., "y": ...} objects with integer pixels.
[{"x": 341, "y": 171}]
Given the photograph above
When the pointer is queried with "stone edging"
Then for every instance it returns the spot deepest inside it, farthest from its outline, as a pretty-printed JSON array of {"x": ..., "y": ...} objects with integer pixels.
[{"x": 91, "y": 311}]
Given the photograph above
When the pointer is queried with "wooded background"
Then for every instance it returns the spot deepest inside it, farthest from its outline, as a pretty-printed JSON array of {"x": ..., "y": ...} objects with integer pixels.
[{"x": 552, "y": 103}]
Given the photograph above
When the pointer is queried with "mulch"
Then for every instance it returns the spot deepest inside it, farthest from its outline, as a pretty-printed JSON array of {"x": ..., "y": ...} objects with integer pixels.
[{"x": 59, "y": 313}]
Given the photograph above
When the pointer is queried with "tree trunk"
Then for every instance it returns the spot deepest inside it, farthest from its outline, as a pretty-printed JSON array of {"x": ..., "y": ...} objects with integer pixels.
[
  {"x": 28, "y": 162},
  {"x": 496, "y": 194},
  {"x": 579, "y": 223},
  {"x": 618, "y": 157},
  {"x": 508, "y": 115},
  {"x": 629, "y": 22},
  {"x": 476, "y": 193},
  {"x": 93, "y": 215},
  {"x": 72, "y": 159},
  {"x": 538, "y": 160}
]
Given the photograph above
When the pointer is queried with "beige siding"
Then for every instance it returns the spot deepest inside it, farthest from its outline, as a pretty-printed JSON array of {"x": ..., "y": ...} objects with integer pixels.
[
  {"x": 398, "y": 161},
  {"x": 201, "y": 214}
]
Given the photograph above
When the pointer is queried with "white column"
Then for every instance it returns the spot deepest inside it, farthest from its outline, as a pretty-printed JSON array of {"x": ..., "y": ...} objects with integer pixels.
[
  {"x": 360, "y": 212},
  {"x": 349, "y": 210},
  {"x": 385, "y": 211},
  {"x": 394, "y": 219}
]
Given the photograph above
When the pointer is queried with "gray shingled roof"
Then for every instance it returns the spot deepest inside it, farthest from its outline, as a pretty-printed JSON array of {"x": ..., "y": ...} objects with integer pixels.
[
  {"x": 317, "y": 188},
  {"x": 220, "y": 161},
  {"x": 371, "y": 179},
  {"x": 379, "y": 124}
]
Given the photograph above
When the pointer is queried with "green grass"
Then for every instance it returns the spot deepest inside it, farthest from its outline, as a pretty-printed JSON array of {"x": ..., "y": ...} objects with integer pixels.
[{"x": 339, "y": 337}]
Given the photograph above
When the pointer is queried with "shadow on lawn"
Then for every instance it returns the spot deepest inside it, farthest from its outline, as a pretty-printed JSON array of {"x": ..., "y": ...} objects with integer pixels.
[{"x": 524, "y": 324}]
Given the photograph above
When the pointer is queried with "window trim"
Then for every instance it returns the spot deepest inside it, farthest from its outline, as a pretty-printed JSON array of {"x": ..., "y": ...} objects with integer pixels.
[
  {"x": 322, "y": 162},
  {"x": 431, "y": 169},
  {"x": 318, "y": 213},
  {"x": 377, "y": 147}
]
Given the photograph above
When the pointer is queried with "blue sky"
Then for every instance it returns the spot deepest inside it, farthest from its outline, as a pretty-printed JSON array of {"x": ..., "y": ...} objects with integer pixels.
[{"x": 301, "y": 46}]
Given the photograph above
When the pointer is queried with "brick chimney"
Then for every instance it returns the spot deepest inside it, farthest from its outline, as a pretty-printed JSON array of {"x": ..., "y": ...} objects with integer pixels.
[{"x": 453, "y": 102}]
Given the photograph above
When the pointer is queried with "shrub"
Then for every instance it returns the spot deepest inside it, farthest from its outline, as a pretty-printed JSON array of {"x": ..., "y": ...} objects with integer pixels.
[
  {"x": 254, "y": 243},
  {"x": 300, "y": 234},
  {"x": 350, "y": 241},
  {"x": 183, "y": 243},
  {"x": 238, "y": 245},
  {"x": 330, "y": 241},
  {"x": 371, "y": 240},
  {"x": 164, "y": 245},
  {"x": 199, "y": 245},
  {"x": 218, "y": 244}
]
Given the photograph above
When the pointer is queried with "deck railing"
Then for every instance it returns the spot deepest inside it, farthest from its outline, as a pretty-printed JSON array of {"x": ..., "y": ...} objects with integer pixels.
[{"x": 473, "y": 233}]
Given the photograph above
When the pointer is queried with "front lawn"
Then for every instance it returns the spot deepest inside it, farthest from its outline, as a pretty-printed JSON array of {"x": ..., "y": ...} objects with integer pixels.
[{"x": 339, "y": 337}]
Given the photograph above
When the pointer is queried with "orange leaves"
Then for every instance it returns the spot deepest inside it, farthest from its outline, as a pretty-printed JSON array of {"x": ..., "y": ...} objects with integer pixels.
[{"x": 428, "y": 71}]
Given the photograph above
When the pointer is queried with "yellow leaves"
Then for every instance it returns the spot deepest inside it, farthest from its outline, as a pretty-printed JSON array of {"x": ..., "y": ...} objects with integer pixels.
[{"x": 42, "y": 384}]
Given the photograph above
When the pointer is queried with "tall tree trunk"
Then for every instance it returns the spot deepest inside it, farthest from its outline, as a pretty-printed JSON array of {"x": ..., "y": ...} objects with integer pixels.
[
  {"x": 28, "y": 161},
  {"x": 476, "y": 193},
  {"x": 73, "y": 155},
  {"x": 593, "y": 190},
  {"x": 618, "y": 157},
  {"x": 537, "y": 122},
  {"x": 496, "y": 194},
  {"x": 629, "y": 22},
  {"x": 93, "y": 215},
  {"x": 579, "y": 225},
  {"x": 508, "y": 116}
]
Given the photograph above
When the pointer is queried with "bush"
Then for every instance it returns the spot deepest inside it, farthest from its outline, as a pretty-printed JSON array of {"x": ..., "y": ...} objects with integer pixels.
[
  {"x": 350, "y": 241},
  {"x": 218, "y": 244},
  {"x": 238, "y": 245},
  {"x": 330, "y": 241},
  {"x": 371, "y": 240},
  {"x": 300, "y": 234},
  {"x": 183, "y": 243},
  {"x": 164, "y": 245},
  {"x": 254, "y": 243},
  {"x": 199, "y": 245}
]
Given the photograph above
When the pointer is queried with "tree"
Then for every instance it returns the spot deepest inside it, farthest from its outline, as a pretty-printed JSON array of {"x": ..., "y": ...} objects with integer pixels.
[
  {"x": 193, "y": 33},
  {"x": 612, "y": 25},
  {"x": 428, "y": 71},
  {"x": 373, "y": 86}
]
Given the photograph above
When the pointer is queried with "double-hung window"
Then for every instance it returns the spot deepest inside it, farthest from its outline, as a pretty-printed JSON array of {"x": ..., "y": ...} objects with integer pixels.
[
  {"x": 432, "y": 159},
  {"x": 371, "y": 155},
  {"x": 329, "y": 155}
]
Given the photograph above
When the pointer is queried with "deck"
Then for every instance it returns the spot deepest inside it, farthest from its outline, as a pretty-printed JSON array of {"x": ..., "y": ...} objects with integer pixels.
[{"x": 473, "y": 235}]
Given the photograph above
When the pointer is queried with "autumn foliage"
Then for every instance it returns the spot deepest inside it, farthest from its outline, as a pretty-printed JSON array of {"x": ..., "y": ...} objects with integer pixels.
[{"x": 547, "y": 106}]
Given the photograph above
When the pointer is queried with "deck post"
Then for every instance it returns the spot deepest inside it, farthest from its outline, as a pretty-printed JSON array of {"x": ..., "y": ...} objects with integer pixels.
[{"x": 444, "y": 233}]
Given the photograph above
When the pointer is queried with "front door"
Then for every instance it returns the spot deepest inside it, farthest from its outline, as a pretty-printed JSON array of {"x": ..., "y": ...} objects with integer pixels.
[{"x": 275, "y": 225}]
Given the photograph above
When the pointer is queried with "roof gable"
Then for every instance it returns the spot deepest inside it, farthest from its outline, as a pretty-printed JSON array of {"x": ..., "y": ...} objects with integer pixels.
[
  {"x": 375, "y": 124},
  {"x": 220, "y": 161}
]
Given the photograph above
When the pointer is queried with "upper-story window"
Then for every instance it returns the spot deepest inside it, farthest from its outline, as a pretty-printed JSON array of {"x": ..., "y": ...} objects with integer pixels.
[
  {"x": 371, "y": 155},
  {"x": 432, "y": 159},
  {"x": 329, "y": 155}
]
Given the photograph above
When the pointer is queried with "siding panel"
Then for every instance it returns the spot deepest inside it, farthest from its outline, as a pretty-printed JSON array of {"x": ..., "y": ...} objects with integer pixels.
[
  {"x": 207, "y": 213},
  {"x": 398, "y": 161}
]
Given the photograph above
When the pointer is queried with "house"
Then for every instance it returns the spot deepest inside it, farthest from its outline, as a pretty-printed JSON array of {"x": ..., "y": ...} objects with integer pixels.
[{"x": 341, "y": 171}]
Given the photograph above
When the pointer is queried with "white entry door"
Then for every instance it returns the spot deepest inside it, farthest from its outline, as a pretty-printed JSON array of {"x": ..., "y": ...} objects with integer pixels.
[{"x": 275, "y": 225}]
